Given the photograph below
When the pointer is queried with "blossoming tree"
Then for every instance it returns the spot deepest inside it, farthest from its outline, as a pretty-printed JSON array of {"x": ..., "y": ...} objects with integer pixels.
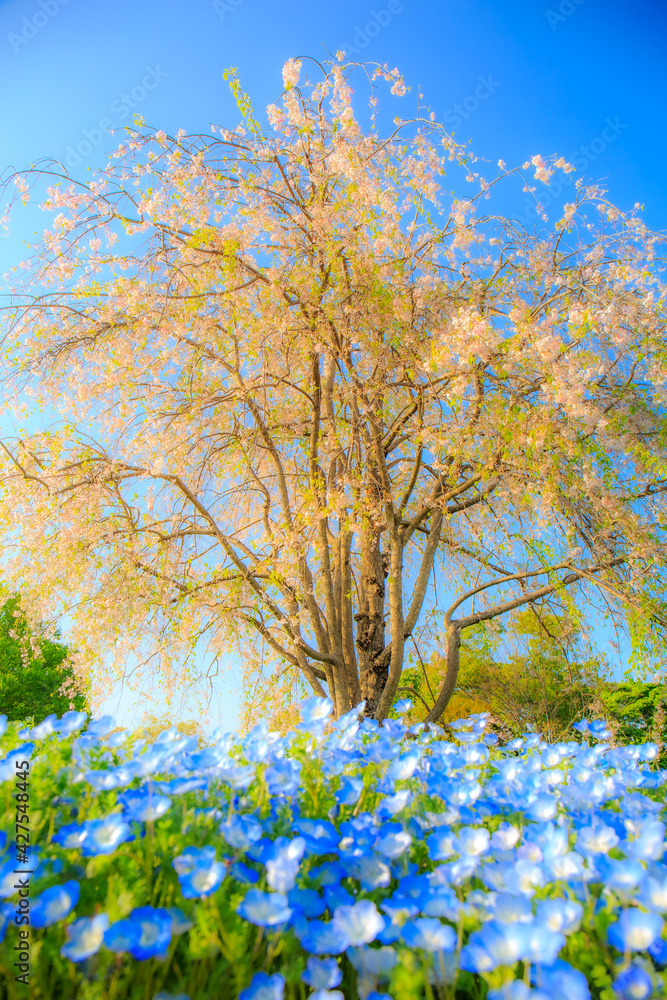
[{"x": 310, "y": 379}]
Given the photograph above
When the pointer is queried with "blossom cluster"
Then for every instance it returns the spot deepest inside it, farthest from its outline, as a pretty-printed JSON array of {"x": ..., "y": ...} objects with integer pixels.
[{"x": 352, "y": 858}]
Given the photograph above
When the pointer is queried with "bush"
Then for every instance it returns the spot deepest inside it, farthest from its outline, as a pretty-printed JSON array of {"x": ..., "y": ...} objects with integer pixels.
[
  {"x": 33, "y": 670},
  {"x": 350, "y": 857}
]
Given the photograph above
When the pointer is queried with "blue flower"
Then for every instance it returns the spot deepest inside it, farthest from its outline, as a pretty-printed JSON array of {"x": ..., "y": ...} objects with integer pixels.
[
  {"x": 122, "y": 935},
  {"x": 283, "y": 777},
  {"x": 350, "y": 790},
  {"x": 561, "y": 980},
  {"x": 198, "y": 872},
  {"x": 429, "y": 934},
  {"x": 320, "y": 835},
  {"x": 307, "y": 902},
  {"x": 264, "y": 987},
  {"x": 634, "y": 930},
  {"x": 283, "y": 867},
  {"x": 154, "y": 927},
  {"x": 145, "y": 806},
  {"x": 103, "y": 836},
  {"x": 315, "y": 709},
  {"x": 322, "y": 973},
  {"x": 45, "y": 728},
  {"x": 241, "y": 831},
  {"x": 360, "y": 923},
  {"x": 85, "y": 937},
  {"x": 324, "y": 939},
  {"x": 101, "y": 727},
  {"x": 264, "y": 909},
  {"x": 54, "y": 904},
  {"x": 633, "y": 983},
  {"x": 70, "y": 722}
]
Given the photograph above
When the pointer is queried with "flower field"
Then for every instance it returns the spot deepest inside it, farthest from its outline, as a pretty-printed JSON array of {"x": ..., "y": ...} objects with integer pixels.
[{"x": 343, "y": 860}]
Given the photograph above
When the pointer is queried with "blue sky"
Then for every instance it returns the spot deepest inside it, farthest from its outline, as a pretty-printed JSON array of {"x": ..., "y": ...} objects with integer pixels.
[{"x": 579, "y": 79}]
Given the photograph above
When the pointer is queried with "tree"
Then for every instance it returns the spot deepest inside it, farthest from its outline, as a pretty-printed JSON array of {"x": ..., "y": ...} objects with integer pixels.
[
  {"x": 36, "y": 678},
  {"x": 305, "y": 376}
]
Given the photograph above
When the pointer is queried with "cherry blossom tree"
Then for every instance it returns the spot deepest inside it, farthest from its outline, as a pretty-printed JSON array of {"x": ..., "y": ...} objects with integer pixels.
[{"x": 299, "y": 378}]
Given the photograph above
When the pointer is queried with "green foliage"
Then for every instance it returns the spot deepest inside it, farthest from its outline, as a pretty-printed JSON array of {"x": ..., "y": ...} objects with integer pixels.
[
  {"x": 32, "y": 670},
  {"x": 548, "y": 681}
]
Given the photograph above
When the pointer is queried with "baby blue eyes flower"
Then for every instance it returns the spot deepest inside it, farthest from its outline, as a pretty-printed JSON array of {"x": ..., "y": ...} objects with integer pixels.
[
  {"x": 145, "y": 934},
  {"x": 147, "y": 807},
  {"x": 283, "y": 777},
  {"x": 70, "y": 722},
  {"x": 322, "y": 973},
  {"x": 264, "y": 987},
  {"x": 597, "y": 839},
  {"x": 360, "y": 923},
  {"x": 264, "y": 909},
  {"x": 198, "y": 872},
  {"x": 429, "y": 934},
  {"x": 394, "y": 844},
  {"x": 282, "y": 869},
  {"x": 563, "y": 915},
  {"x": 315, "y": 709},
  {"x": 473, "y": 840},
  {"x": 350, "y": 790},
  {"x": 241, "y": 831},
  {"x": 103, "y": 836},
  {"x": 634, "y": 930},
  {"x": 85, "y": 937},
  {"x": 323, "y": 938},
  {"x": 633, "y": 983},
  {"x": 54, "y": 904}
]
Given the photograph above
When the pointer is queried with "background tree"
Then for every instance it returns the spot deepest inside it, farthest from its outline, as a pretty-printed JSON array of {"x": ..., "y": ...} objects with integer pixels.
[
  {"x": 307, "y": 372},
  {"x": 36, "y": 677}
]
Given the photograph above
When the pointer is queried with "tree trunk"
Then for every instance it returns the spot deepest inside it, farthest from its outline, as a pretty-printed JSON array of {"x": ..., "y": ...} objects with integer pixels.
[
  {"x": 451, "y": 673},
  {"x": 370, "y": 620}
]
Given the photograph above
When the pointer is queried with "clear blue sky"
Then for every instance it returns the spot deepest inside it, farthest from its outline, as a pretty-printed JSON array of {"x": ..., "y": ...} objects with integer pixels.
[{"x": 580, "y": 79}]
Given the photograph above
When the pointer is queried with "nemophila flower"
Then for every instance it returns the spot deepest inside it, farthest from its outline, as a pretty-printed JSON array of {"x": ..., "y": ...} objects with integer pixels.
[
  {"x": 154, "y": 932},
  {"x": 103, "y": 836},
  {"x": 264, "y": 909},
  {"x": 505, "y": 837},
  {"x": 361, "y": 922},
  {"x": 147, "y": 807},
  {"x": 428, "y": 934},
  {"x": 45, "y": 728},
  {"x": 633, "y": 983},
  {"x": 320, "y": 835},
  {"x": 649, "y": 844},
  {"x": 441, "y": 845},
  {"x": 241, "y": 831},
  {"x": 85, "y": 937},
  {"x": 658, "y": 952},
  {"x": 622, "y": 875},
  {"x": 237, "y": 776},
  {"x": 315, "y": 709},
  {"x": 473, "y": 840},
  {"x": 203, "y": 880},
  {"x": 390, "y": 805},
  {"x": 495, "y": 944},
  {"x": 393, "y": 844},
  {"x": 509, "y": 909},
  {"x": 307, "y": 902},
  {"x": 192, "y": 857},
  {"x": 264, "y": 987},
  {"x": 516, "y": 990},
  {"x": 54, "y": 904},
  {"x": 326, "y": 995},
  {"x": 561, "y": 980},
  {"x": 283, "y": 867},
  {"x": 653, "y": 894},
  {"x": 283, "y": 777},
  {"x": 372, "y": 872},
  {"x": 350, "y": 790},
  {"x": 562, "y": 915},
  {"x": 322, "y": 973},
  {"x": 122, "y": 935},
  {"x": 634, "y": 930},
  {"x": 101, "y": 727},
  {"x": 596, "y": 839},
  {"x": 324, "y": 938}
]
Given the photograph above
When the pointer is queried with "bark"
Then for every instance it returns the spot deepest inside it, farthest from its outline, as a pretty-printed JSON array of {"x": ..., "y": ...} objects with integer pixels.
[
  {"x": 370, "y": 621},
  {"x": 451, "y": 674}
]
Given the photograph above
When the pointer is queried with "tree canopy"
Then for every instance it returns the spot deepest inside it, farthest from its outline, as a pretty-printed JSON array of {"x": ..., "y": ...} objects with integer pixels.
[
  {"x": 36, "y": 678},
  {"x": 300, "y": 378}
]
